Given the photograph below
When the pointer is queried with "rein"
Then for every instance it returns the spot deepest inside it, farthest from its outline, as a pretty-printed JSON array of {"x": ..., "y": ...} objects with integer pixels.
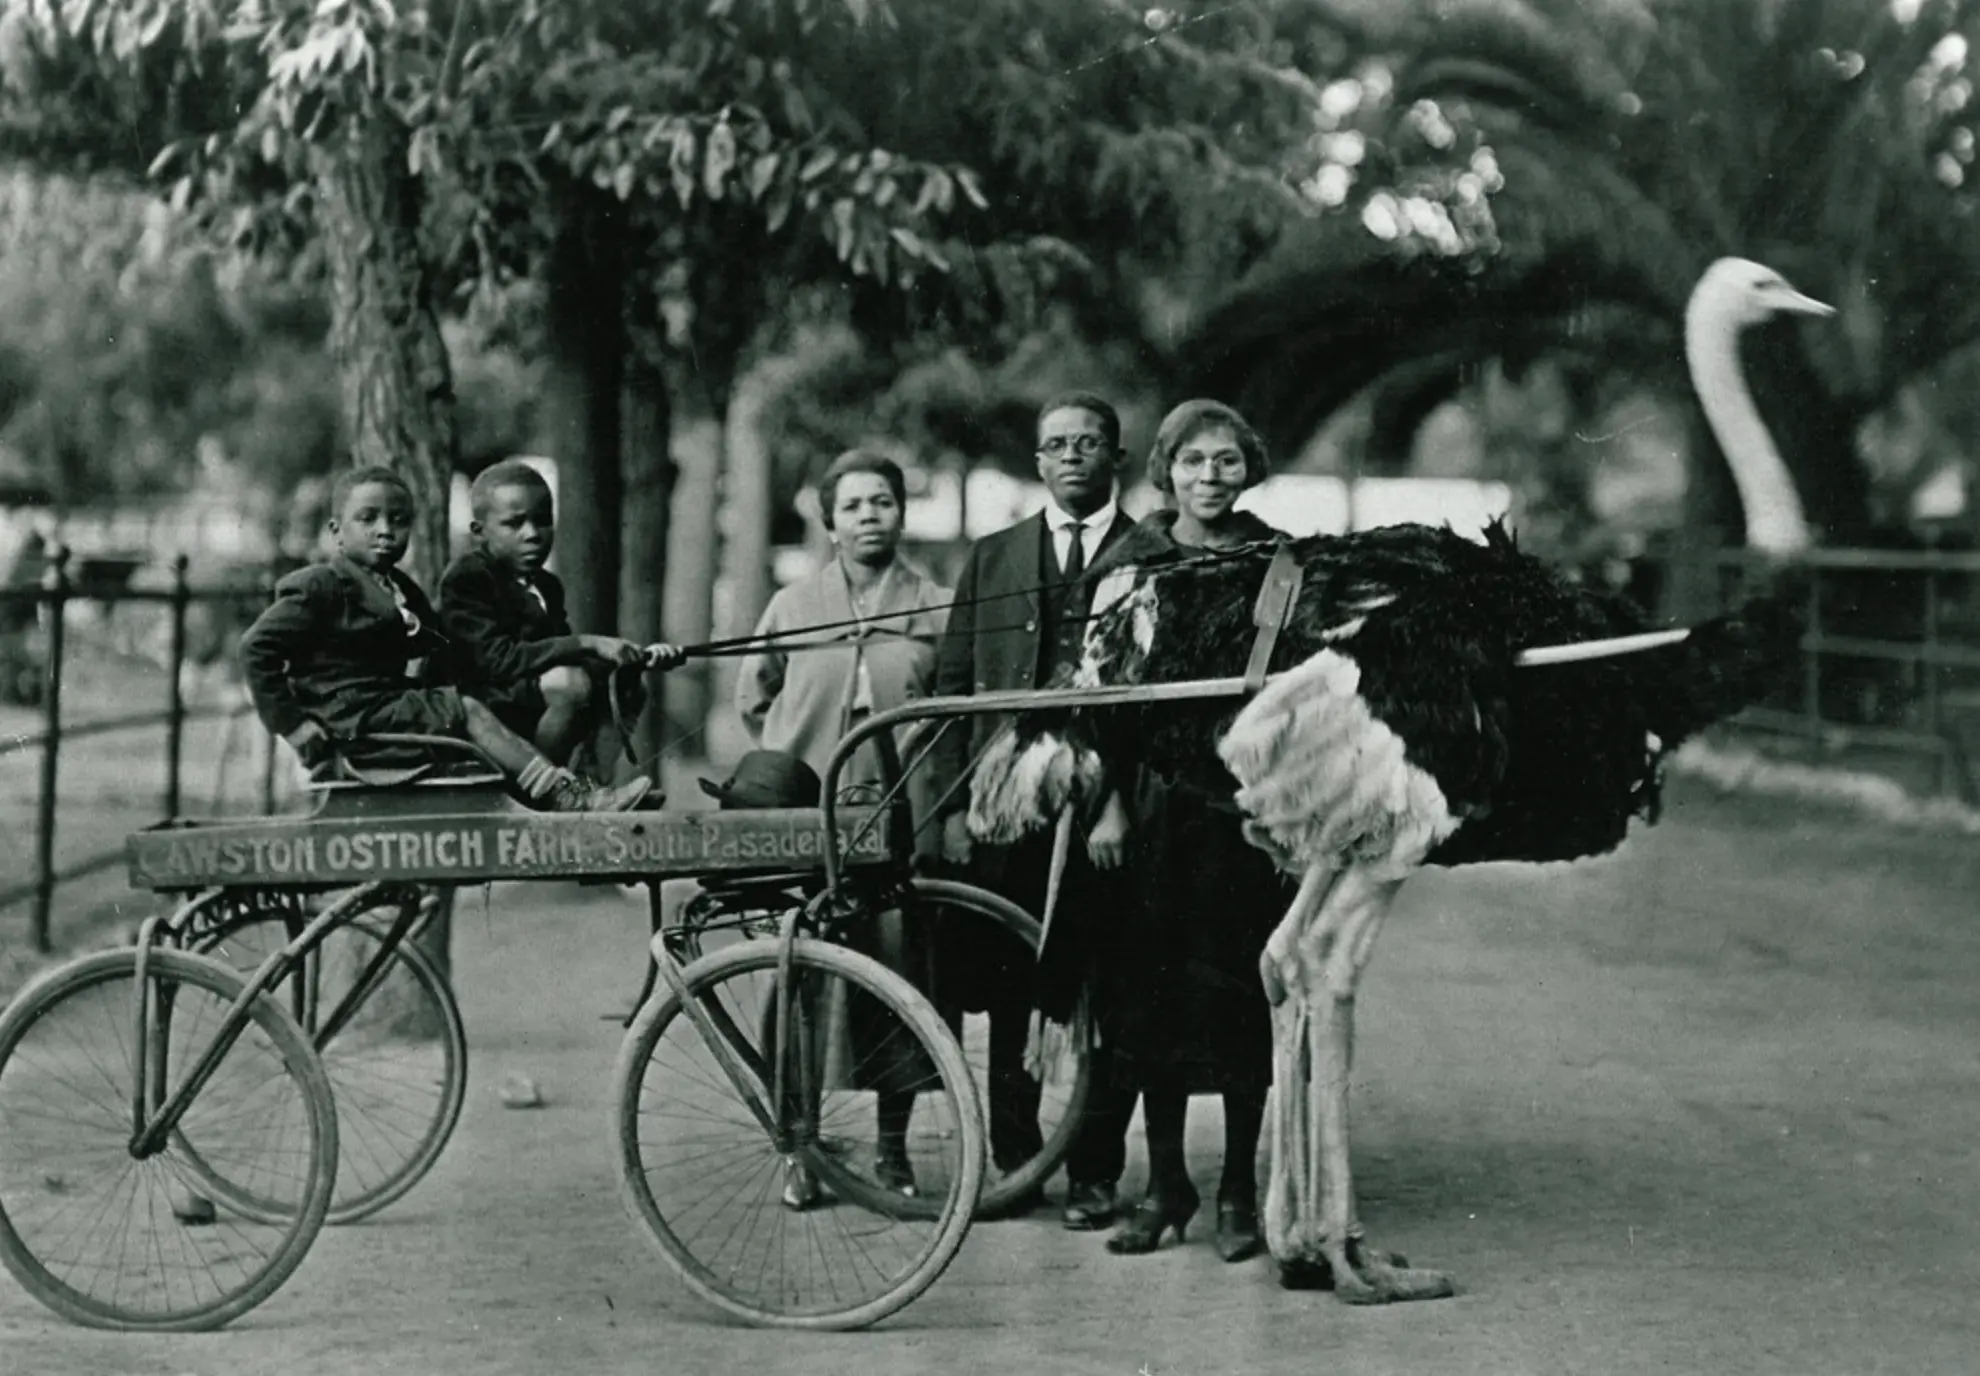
[{"x": 1272, "y": 612}]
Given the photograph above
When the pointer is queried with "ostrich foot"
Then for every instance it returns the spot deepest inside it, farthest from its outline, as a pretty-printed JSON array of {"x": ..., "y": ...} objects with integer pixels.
[
  {"x": 1360, "y": 1275},
  {"x": 1317, "y": 1273}
]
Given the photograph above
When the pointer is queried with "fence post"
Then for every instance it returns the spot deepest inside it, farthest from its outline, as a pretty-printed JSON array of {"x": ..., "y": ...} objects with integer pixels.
[
  {"x": 269, "y": 579},
  {"x": 1929, "y": 663},
  {"x": 55, "y": 598},
  {"x": 175, "y": 710},
  {"x": 1811, "y": 665}
]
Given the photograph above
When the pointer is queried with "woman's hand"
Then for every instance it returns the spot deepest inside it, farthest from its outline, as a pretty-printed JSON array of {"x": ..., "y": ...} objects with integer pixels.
[
  {"x": 957, "y": 847},
  {"x": 662, "y": 657},
  {"x": 1106, "y": 844}
]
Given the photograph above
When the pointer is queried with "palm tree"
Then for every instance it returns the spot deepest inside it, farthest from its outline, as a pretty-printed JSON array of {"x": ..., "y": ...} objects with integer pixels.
[{"x": 1638, "y": 140}]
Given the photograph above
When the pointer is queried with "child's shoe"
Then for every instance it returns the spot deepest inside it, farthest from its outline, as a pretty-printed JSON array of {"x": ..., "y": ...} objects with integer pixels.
[{"x": 572, "y": 794}]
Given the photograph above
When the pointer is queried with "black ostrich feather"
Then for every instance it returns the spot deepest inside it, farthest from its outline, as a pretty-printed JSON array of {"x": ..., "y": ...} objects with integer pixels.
[{"x": 1540, "y": 763}]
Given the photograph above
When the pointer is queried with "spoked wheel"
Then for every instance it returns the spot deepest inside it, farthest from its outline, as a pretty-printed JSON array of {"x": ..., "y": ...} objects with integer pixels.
[
  {"x": 994, "y": 930},
  {"x": 395, "y": 1049},
  {"x": 113, "y": 1241},
  {"x": 1058, "y": 1077},
  {"x": 798, "y": 1220}
]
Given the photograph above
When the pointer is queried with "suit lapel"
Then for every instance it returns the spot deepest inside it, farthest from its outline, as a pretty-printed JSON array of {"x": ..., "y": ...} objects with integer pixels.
[
  {"x": 1027, "y": 558},
  {"x": 369, "y": 590},
  {"x": 1117, "y": 528}
]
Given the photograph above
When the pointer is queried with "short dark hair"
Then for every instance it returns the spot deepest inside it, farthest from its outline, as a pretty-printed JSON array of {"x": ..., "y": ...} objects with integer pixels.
[
  {"x": 507, "y": 473},
  {"x": 858, "y": 461},
  {"x": 1182, "y": 424},
  {"x": 351, "y": 479},
  {"x": 1110, "y": 419}
]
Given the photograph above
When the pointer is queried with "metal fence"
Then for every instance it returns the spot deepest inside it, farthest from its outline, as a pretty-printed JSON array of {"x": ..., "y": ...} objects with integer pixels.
[
  {"x": 48, "y": 604},
  {"x": 1890, "y": 660}
]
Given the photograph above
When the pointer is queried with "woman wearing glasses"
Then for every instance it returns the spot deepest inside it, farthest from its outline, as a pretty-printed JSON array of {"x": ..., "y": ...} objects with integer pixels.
[{"x": 1179, "y": 1002}]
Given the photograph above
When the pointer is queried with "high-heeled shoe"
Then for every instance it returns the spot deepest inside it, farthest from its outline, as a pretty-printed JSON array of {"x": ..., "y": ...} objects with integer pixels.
[
  {"x": 1237, "y": 1230},
  {"x": 1155, "y": 1215}
]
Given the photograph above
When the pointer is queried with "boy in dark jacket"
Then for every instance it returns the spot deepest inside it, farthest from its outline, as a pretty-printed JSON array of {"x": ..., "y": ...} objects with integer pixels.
[
  {"x": 350, "y": 647},
  {"x": 504, "y": 612}
]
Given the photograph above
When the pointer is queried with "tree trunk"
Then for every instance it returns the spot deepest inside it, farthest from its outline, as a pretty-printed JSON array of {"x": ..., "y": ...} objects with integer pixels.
[
  {"x": 587, "y": 367},
  {"x": 647, "y": 470},
  {"x": 693, "y": 551},
  {"x": 398, "y": 387},
  {"x": 747, "y": 492}
]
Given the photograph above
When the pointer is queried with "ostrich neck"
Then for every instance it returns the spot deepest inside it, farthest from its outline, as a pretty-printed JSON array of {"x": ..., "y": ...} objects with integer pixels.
[{"x": 1774, "y": 520}]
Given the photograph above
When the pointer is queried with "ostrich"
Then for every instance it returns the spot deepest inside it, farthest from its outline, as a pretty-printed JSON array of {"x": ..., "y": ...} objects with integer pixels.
[{"x": 1401, "y": 729}]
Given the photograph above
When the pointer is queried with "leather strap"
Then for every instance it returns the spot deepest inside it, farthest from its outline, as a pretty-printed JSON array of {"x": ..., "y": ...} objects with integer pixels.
[{"x": 1271, "y": 613}]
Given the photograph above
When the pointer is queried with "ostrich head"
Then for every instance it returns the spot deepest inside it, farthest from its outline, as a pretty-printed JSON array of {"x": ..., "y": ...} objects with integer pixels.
[{"x": 1733, "y": 295}]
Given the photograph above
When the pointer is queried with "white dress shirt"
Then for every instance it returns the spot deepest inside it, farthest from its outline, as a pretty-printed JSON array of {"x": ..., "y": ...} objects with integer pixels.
[{"x": 1093, "y": 529}]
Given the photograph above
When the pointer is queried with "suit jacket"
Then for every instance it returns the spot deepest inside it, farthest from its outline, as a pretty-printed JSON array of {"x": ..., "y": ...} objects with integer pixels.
[
  {"x": 501, "y": 636},
  {"x": 997, "y": 645},
  {"x": 332, "y": 645}
]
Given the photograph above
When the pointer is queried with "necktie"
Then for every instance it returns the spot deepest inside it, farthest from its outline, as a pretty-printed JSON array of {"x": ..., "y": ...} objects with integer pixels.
[{"x": 1075, "y": 551}]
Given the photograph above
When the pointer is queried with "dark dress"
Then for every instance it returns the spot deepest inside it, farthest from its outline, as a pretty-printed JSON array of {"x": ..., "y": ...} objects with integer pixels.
[{"x": 1177, "y": 997}]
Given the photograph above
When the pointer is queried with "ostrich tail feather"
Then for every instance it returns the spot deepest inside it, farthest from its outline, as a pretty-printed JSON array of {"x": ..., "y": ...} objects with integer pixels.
[
  {"x": 1726, "y": 664},
  {"x": 1021, "y": 785}
]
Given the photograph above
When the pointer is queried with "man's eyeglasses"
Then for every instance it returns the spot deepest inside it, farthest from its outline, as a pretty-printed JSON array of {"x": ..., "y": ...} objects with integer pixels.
[{"x": 1086, "y": 446}]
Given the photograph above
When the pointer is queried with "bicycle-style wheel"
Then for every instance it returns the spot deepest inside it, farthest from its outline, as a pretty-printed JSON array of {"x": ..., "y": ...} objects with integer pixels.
[
  {"x": 769, "y": 1230},
  {"x": 107, "y": 1239},
  {"x": 396, "y": 1058},
  {"x": 1043, "y": 1094}
]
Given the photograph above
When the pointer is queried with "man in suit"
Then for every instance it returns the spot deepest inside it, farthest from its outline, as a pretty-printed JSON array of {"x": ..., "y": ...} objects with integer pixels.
[{"x": 1019, "y": 618}]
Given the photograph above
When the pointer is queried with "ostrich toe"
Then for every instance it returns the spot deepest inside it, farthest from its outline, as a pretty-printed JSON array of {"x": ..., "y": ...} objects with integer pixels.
[{"x": 1359, "y": 1274}]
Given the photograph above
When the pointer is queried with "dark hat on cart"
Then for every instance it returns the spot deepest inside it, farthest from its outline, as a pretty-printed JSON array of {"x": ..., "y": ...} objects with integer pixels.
[{"x": 767, "y": 778}]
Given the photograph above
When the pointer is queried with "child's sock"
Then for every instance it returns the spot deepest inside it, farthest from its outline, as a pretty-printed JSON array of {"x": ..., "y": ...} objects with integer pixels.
[{"x": 539, "y": 778}]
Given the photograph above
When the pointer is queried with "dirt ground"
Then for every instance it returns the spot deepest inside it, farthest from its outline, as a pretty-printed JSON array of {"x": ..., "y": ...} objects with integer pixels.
[{"x": 1709, "y": 1105}]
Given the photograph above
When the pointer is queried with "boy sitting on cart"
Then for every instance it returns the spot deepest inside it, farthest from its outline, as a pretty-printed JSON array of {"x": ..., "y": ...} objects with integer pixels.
[
  {"x": 351, "y": 648},
  {"x": 512, "y": 641}
]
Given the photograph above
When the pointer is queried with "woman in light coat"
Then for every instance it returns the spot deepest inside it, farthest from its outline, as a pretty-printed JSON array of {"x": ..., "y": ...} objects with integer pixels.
[{"x": 887, "y": 617}]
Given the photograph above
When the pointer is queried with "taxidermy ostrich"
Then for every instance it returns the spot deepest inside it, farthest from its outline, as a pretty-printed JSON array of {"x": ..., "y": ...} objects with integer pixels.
[{"x": 1400, "y": 728}]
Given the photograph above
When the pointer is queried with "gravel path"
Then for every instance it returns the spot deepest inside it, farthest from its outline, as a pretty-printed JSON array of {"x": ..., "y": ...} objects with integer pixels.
[{"x": 1709, "y": 1105}]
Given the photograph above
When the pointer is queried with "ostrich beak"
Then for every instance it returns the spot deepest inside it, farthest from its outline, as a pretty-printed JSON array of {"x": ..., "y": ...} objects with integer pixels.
[{"x": 1797, "y": 304}]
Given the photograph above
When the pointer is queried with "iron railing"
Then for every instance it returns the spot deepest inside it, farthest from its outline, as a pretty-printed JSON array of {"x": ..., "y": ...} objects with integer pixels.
[
  {"x": 50, "y": 600},
  {"x": 1927, "y": 644},
  {"x": 1883, "y": 665}
]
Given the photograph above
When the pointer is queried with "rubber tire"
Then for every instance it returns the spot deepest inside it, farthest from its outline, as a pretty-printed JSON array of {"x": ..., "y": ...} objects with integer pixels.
[
  {"x": 1002, "y": 1192},
  {"x": 440, "y": 998},
  {"x": 636, "y": 1052},
  {"x": 303, "y": 1066}
]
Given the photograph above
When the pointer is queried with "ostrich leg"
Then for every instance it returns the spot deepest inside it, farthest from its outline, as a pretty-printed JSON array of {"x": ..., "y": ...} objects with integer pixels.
[
  {"x": 1310, "y": 1217},
  {"x": 1362, "y": 1275},
  {"x": 1291, "y": 1204}
]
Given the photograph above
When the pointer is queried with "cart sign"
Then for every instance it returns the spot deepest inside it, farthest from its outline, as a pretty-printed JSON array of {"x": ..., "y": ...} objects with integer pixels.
[{"x": 470, "y": 849}]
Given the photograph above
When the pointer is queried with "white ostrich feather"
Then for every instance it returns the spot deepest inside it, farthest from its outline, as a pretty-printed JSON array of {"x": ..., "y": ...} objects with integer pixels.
[
  {"x": 1016, "y": 791},
  {"x": 1322, "y": 782}
]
